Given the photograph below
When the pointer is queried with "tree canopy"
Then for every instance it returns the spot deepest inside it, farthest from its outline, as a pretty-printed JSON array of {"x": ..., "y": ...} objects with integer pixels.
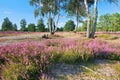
[
  {"x": 7, "y": 25},
  {"x": 109, "y": 22},
  {"x": 48, "y": 8},
  {"x": 69, "y": 26},
  {"x": 40, "y": 26},
  {"x": 31, "y": 27},
  {"x": 23, "y": 24}
]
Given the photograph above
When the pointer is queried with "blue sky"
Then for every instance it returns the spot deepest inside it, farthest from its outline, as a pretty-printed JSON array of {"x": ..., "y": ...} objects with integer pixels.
[{"x": 16, "y": 10}]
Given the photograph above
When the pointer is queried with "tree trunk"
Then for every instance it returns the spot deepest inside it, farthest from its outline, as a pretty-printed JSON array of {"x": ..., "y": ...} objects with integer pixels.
[
  {"x": 53, "y": 26},
  {"x": 95, "y": 19},
  {"x": 76, "y": 20},
  {"x": 88, "y": 18},
  {"x": 50, "y": 24},
  {"x": 58, "y": 16},
  {"x": 57, "y": 22}
]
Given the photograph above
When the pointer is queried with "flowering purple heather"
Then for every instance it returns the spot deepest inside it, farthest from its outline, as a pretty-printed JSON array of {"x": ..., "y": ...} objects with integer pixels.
[
  {"x": 41, "y": 53},
  {"x": 47, "y": 46},
  {"x": 102, "y": 47}
]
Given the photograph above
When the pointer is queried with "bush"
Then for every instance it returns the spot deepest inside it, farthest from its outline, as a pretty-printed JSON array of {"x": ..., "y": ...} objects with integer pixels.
[
  {"x": 31, "y": 60},
  {"x": 69, "y": 26},
  {"x": 105, "y": 36},
  {"x": 7, "y": 25},
  {"x": 41, "y": 26},
  {"x": 23, "y": 24},
  {"x": 31, "y": 27},
  {"x": 24, "y": 60}
]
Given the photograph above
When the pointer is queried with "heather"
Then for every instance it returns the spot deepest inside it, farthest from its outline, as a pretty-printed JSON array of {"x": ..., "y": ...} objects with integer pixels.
[
  {"x": 32, "y": 60},
  {"x": 11, "y": 33},
  {"x": 26, "y": 60}
]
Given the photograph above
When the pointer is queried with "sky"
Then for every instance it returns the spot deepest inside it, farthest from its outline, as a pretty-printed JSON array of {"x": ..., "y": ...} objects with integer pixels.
[{"x": 16, "y": 10}]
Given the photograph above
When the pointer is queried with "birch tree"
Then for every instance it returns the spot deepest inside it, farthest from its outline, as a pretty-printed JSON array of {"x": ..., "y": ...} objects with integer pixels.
[
  {"x": 77, "y": 9},
  {"x": 92, "y": 33},
  {"x": 50, "y": 9}
]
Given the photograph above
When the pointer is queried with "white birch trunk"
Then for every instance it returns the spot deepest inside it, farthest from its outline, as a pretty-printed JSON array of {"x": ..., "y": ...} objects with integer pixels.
[
  {"x": 88, "y": 18},
  {"x": 95, "y": 19}
]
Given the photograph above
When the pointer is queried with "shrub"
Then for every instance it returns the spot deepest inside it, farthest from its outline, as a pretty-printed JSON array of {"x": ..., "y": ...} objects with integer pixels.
[
  {"x": 25, "y": 59},
  {"x": 69, "y": 26},
  {"x": 31, "y": 27},
  {"x": 35, "y": 58},
  {"x": 105, "y": 36},
  {"x": 104, "y": 50}
]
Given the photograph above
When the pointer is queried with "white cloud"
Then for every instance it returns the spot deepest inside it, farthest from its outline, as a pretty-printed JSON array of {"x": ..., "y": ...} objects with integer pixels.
[{"x": 6, "y": 12}]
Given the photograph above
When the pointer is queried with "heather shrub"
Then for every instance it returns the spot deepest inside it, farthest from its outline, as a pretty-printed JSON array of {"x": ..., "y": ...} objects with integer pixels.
[
  {"x": 51, "y": 42},
  {"x": 56, "y": 57},
  {"x": 113, "y": 56},
  {"x": 104, "y": 50},
  {"x": 72, "y": 51},
  {"x": 26, "y": 60},
  {"x": 31, "y": 60},
  {"x": 11, "y": 33},
  {"x": 13, "y": 71}
]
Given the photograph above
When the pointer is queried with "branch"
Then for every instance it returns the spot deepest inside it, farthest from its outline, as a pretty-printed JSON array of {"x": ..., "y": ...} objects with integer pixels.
[{"x": 90, "y": 69}]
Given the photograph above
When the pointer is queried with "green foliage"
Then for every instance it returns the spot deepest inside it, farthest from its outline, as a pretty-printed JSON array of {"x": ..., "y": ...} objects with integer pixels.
[
  {"x": 60, "y": 29},
  {"x": 105, "y": 36},
  {"x": 45, "y": 7},
  {"x": 104, "y": 22},
  {"x": 7, "y": 25},
  {"x": 23, "y": 24},
  {"x": 46, "y": 29},
  {"x": 109, "y": 22},
  {"x": 115, "y": 21},
  {"x": 15, "y": 27},
  {"x": 70, "y": 58},
  {"x": 69, "y": 26},
  {"x": 48, "y": 8},
  {"x": 18, "y": 71},
  {"x": 77, "y": 9},
  {"x": 84, "y": 26},
  {"x": 40, "y": 26},
  {"x": 31, "y": 27},
  {"x": 12, "y": 71}
]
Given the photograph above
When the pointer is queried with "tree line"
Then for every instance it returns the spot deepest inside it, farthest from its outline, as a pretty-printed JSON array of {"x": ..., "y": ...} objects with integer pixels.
[
  {"x": 80, "y": 9},
  {"x": 107, "y": 22},
  {"x": 7, "y": 25}
]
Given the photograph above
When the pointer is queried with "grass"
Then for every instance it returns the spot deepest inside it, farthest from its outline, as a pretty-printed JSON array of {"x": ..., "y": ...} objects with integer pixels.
[{"x": 108, "y": 37}]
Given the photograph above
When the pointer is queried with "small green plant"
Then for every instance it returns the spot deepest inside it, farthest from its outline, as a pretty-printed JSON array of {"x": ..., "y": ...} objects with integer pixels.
[
  {"x": 70, "y": 58},
  {"x": 12, "y": 71},
  {"x": 104, "y": 36}
]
